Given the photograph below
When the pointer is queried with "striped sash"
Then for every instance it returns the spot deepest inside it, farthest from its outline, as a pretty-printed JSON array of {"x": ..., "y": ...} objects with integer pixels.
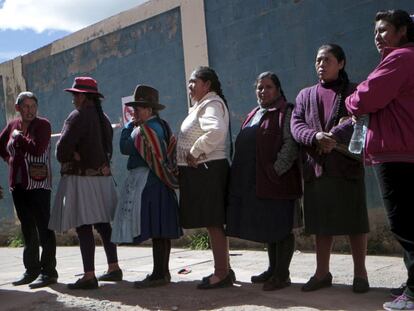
[{"x": 161, "y": 162}]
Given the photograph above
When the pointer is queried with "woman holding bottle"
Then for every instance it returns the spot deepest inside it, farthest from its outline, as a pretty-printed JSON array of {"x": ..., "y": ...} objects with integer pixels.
[{"x": 334, "y": 190}]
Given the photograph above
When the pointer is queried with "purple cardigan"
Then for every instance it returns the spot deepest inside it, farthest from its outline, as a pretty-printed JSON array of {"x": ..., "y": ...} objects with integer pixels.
[{"x": 305, "y": 123}]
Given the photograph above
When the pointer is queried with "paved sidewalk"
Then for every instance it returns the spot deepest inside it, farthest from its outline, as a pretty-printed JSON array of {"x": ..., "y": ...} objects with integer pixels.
[{"x": 181, "y": 294}]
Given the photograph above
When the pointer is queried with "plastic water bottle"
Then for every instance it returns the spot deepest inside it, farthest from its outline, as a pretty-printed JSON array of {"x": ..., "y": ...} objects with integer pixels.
[{"x": 358, "y": 137}]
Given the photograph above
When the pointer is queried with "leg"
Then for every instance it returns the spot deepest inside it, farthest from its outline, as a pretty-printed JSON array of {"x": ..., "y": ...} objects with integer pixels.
[
  {"x": 323, "y": 255},
  {"x": 160, "y": 274},
  {"x": 264, "y": 276},
  {"x": 167, "y": 243},
  {"x": 285, "y": 249},
  {"x": 322, "y": 277},
  {"x": 220, "y": 247},
  {"x": 87, "y": 247},
  {"x": 40, "y": 203},
  {"x": 359, "y": 250},
  {"x": 28, "y": 226},
  {"x": 105, "y": 230},
  {"x": 396, "y": 193}
]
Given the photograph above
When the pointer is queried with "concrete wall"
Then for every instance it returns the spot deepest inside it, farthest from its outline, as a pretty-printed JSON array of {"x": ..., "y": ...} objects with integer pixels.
[{"x": 160, "y": 42}]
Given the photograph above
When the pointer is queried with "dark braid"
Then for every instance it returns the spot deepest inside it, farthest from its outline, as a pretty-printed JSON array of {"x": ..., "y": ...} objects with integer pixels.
[
  {"x": 341, "y": 109},
  {"x": 102, "y": 120},
  {"x": 339, "y": 54},
  {"x": 208, "y": 74}
]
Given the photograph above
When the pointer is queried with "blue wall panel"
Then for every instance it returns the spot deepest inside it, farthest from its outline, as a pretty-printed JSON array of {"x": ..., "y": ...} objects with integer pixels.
[
  {"x": 149, "y": 52},
  {"x": 247, "y": 37}
]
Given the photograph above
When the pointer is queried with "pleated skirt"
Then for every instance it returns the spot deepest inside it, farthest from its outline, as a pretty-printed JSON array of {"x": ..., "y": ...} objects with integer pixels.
[{"x": 83, "y": 200}]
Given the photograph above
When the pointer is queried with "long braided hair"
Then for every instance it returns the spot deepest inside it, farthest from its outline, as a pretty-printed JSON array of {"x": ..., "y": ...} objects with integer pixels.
[
  {"x": 205, "y": 74},
  {"x": 103, "y": 121},
  {"x": 339, "y": 54}
]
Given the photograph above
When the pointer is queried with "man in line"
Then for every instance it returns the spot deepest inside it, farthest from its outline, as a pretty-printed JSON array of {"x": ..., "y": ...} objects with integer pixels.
[{"x": 25, "y": 146}]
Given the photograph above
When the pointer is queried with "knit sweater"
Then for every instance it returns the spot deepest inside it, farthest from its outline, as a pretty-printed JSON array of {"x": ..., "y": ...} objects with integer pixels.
[{"x": 204, "y": 131}]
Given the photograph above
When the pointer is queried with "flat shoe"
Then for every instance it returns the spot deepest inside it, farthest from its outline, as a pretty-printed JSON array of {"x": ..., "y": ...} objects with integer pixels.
[
  {"x": 360, "y": 285},
  {"x": 262, "y": 277},
  {"x": 84, "y": 284},
  {"x": 113, "y": 276},
  {"x": 315, "y": 284},
  {"x": 43, "y": 281},
  {"x": 275, "y": 283},
  {"x": 231, "y": 272},
  {"x": 25, "y": 279},
  {"x": 226, "y": 282},
  {"x": 151, "y": 281}
]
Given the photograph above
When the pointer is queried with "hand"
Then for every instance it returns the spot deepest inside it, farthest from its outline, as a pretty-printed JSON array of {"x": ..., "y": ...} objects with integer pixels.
[
  {"x": 16, "y": 133},
  {"x": 76, "y": 156},
  {"x": 343, "y": 119},
  {"x": 192, "y": 161},
  {"x": 325, "y": 142},
  {"x": 106, "y": 171}
]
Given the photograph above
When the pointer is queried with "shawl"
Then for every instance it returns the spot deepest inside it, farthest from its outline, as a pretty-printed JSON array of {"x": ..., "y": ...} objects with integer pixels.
[{"x": 159, "y": 154}]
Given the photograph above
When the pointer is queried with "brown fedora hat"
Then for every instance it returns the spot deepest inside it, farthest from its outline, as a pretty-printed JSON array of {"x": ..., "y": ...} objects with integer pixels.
[{"x": 146, "y": 96}]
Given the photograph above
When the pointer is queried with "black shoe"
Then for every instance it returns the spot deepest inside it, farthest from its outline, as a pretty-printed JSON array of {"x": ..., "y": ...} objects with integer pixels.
[
  {"x": 315, "y": 284},
  {"x": 26, "y": 279},
  {"x": 152, "y": 281},
  {"x": 84, "y": 284},
  {"x": 276, "y": 283},
  {"x": 398, "y": 291},
  {"x": 360, "y": 285},
  {"x": 231, "y": 272},
  {"x": 262, "y": 277},
  {"x": 113, "y": 276},
  {"x": 226, "y": 282},
  {"x": 43, "y": 281}
]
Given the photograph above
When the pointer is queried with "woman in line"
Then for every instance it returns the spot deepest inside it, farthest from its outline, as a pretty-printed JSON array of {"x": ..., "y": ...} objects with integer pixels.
[
  {"x": 265, "y": 181},
  {"x": 387, "y": 95},
  {"x": 149, "y": 206},
  {"x": 86, "y": 195},
  {"x": 334, "y": 189},
  {"x": 203, "y": 169}
]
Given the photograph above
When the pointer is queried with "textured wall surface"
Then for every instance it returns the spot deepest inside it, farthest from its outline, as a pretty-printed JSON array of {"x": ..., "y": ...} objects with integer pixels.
[
  {"x": 244, "y": 38},
  {"x": 148, "y": 52}
]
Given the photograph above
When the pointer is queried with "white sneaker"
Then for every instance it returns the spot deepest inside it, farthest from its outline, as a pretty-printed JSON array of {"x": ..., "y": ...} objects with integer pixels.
[{"x": 400, "y": 303}]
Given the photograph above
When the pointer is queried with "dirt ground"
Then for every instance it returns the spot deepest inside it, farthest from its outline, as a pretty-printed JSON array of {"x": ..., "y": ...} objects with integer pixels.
[{"x": 181, "y": 294}]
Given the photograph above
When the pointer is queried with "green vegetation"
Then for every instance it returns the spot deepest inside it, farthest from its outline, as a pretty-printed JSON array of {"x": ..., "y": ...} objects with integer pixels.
[
  {"x": 16, "y": 240},
  {"x": 199, "y": 241}
]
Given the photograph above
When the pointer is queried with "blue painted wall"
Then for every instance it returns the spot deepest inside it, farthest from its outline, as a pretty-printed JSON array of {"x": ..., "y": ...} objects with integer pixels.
[
  {"x": 245, "y": 37},
  {"x": 149, "y": 52}
]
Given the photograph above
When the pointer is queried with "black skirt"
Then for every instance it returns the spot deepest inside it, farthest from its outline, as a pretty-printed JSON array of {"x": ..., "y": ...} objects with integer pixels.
[
  {"x": 335, "y": 206},
  {"x": 203, "y": 194}
]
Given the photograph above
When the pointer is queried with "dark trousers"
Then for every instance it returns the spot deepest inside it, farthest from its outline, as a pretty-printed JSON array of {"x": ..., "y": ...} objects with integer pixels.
[
  {"x": 33, "y": 211},
  {"x": 396, "y": 182},
  {"x": 280, "y": 255},
  {"x": 87, "y": 245}
]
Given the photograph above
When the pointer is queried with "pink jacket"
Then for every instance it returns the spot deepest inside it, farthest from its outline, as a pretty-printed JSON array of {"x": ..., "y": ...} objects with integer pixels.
[{"x": 388, "y": 96}]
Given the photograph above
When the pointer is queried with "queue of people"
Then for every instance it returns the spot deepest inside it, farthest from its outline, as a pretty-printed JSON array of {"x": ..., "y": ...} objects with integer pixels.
[{"x": 285, "y": 154}]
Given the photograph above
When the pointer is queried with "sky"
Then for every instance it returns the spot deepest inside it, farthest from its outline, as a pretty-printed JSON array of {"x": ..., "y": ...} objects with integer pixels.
[{"x": 26, "y": 25}]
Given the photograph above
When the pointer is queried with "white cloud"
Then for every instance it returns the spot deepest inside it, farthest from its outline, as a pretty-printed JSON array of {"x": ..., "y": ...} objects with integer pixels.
[
  {"x": 41, "y": 15},
  {"x": 10, "y": 54}
]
